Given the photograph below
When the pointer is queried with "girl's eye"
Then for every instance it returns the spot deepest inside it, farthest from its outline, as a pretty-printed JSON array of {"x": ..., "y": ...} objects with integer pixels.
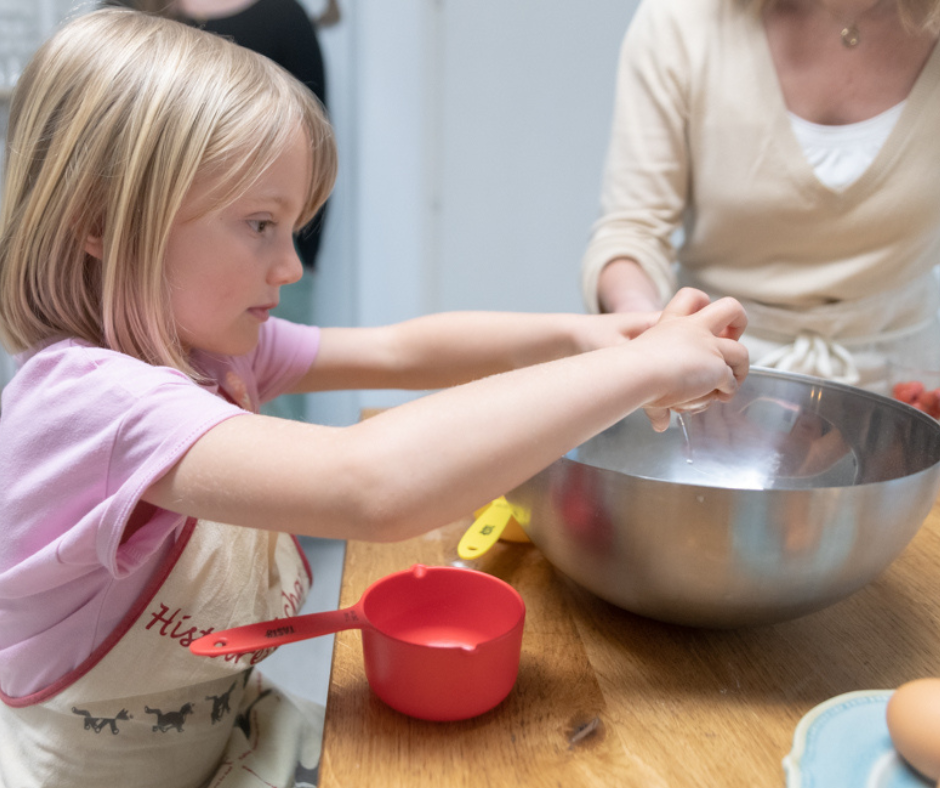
[{"x": 259, "y": 225}]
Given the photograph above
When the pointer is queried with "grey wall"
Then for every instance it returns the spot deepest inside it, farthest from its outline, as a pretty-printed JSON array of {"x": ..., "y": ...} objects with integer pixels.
[{"x": 477, "y": 131}]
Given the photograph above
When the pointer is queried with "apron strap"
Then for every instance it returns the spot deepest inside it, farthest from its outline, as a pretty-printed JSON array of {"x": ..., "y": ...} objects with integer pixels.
[
  {"x": 812, "y": 354},
  {"x": 824, "y": 340}
]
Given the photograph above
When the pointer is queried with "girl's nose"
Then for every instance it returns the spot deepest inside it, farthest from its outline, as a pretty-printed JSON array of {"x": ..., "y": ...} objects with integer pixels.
[{"x": 288, "y": 268}]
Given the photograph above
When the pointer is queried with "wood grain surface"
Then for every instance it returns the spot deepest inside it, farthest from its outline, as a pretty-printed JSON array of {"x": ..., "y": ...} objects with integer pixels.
[{"x": 607, "y": 698}]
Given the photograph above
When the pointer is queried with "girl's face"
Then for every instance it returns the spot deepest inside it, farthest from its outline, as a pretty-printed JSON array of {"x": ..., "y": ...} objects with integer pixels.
[{"x": 225, "y": 266}]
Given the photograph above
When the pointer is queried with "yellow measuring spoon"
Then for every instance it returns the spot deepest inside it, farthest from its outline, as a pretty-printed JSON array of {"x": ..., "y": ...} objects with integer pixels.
[{"x": 499, "y": 519}]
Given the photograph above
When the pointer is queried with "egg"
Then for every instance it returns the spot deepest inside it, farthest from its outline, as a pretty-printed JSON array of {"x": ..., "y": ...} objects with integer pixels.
[{"x": 913, "y": 717}]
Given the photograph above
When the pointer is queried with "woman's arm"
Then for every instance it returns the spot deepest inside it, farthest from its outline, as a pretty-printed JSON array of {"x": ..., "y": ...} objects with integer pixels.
[
  {"x": 442, "y": 350},
  {"x": 624, "y": 286},
  {"x": 426, "y": 463},
  {"x": 647, "y": 169}
]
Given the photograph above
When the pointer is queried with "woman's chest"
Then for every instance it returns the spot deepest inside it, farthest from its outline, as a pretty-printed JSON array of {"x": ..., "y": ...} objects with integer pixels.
[{"x": 825, "y": 81}]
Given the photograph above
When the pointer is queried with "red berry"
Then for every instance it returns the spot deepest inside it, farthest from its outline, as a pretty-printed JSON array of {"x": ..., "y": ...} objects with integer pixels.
[
  {"x": 927, "y": 398},
  {"x": 908, "y": 391},
  {"x": 931, "y": 402}
]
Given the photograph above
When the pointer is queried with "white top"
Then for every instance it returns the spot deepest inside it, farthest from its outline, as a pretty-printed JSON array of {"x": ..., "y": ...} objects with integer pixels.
[{"x": 840, "y": 154}]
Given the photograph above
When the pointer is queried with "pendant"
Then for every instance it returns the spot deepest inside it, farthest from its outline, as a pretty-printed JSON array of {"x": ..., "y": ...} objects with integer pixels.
[{"x": 850, "y": 36}]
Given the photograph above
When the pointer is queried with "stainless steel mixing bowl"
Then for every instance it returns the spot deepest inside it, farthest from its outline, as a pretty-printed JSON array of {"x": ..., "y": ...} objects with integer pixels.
[{"x": 787, "y": 499}]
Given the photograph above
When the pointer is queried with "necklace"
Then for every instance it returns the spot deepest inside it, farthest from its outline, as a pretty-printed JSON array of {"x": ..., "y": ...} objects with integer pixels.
[{"x": 850, "y": 35}]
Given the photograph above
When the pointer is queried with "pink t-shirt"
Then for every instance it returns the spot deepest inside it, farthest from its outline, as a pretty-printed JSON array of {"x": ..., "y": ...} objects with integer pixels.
[{"x": 83, "y": 433}]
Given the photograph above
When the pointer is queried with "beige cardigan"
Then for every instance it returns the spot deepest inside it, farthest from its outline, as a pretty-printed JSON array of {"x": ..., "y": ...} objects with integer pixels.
[{"x": 701, "y": 138}]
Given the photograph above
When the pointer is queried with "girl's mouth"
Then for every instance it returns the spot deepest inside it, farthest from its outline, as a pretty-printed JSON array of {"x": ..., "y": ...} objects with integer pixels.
[{"x": 260, "y": 313}]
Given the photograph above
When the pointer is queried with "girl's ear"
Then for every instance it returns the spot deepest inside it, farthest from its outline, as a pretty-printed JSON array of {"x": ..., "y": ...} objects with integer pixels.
[{"x": 94, "y": 246}]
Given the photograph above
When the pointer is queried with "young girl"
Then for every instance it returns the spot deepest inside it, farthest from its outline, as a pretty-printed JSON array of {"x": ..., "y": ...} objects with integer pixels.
[{"x": 155, "y": 175}]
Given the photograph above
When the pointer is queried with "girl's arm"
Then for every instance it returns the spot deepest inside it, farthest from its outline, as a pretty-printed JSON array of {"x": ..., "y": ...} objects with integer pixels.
[
  {"x": 446, "y": 349},
  {"x": 426, "y": 463}
]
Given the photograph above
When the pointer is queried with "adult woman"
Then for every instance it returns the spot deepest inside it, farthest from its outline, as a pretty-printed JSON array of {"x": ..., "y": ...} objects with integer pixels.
[{"x": 793, "y": 141}]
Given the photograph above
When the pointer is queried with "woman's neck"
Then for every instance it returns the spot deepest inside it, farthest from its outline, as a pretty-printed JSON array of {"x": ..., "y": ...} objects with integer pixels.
[
  {"x": 854, "y": 9},
  {"x": 836, "y": 71}
]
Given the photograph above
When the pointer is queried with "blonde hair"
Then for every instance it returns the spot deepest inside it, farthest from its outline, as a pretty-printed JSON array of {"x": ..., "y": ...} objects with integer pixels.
[
  {"x": 917, "y": 15},
  {"x": 110, "y": 123}
]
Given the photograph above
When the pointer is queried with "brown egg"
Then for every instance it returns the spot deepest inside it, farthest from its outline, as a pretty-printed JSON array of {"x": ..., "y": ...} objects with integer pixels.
[{"x": 913, "y": 717}]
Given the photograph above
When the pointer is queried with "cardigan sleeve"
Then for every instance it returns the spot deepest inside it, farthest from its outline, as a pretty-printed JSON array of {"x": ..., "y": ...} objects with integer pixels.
[{"x": 646, "y": 173}]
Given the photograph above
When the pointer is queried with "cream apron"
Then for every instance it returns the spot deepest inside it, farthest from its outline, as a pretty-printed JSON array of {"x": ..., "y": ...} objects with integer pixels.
[
  {"x": 143, "y": 711},
  {"x": 865, "y": 343}
]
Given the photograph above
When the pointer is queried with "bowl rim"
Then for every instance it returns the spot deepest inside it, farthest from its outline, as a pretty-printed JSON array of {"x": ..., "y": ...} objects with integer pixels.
[{"x": 799, "y": 377}]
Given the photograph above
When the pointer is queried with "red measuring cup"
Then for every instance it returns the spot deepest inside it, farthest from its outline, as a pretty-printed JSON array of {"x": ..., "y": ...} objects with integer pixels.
[{"x": 439, "y": 643}]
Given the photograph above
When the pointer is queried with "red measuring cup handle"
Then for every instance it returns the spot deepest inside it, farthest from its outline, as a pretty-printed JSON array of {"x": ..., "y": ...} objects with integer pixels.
[{"x": 268, "y": 634}]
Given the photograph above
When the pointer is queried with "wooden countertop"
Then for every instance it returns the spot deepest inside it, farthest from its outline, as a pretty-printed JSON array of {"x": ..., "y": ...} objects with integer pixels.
[{"x": 607, "y": 698}]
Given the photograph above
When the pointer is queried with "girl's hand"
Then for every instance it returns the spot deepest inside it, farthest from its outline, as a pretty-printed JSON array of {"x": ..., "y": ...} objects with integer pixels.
[
  {"x": 593, "y": 332},
  {"x": 707, "y": 362}
]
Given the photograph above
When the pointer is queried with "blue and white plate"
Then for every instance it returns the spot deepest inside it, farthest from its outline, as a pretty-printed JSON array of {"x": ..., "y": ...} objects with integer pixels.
[{"x": 844, "y": 743}]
